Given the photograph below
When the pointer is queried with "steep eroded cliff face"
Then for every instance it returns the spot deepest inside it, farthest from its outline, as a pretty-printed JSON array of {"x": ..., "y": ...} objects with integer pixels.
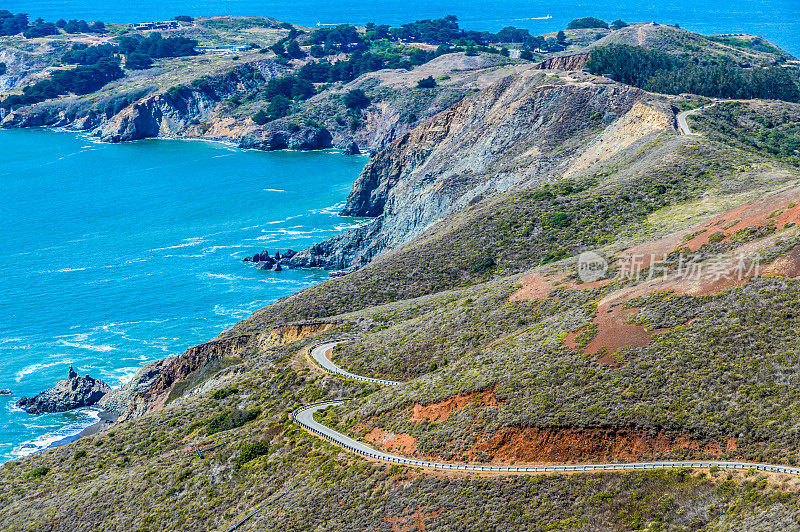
[
  {"x": 220, "y": 104},
  {"x": 528, "y": 129},
  {"x": 196, "y": 364},
  {"x": 28, "y": 60}
]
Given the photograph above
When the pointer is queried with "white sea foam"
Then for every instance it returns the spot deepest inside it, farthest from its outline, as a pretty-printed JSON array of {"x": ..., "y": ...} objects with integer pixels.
[
  {"x": 274, "y": 190},
  {"x": 223, "y": 276},
  {"x": 64, "y": 270},
  {"x": 345, "y": 227},
  {"x": 85, "y": 418},
  {"x": 124, "y": 375},
  {"x": 277, "y": 221},
  {"x": 33, "y": 368},
  {"x": 332, "y": 209},
  {"x": 214, "y": 249},
  {"x": 186, "y": 243},
  {"x": 102, "y": 348}
]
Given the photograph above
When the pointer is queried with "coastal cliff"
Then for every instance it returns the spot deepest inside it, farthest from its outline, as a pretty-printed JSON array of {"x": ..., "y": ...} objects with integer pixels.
[
  {"x": 527, "y": 129},
  {"x": 219, "y": 105}
]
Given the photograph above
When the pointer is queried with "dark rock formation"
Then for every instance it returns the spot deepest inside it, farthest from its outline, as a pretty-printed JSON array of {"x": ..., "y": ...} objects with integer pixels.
[
  {"x": 5, "y": 391},
  {"x": 305, "y": 139},
  {"x": 74, "y": 392},
  {"x": 351, "y": 149},
  {"x": 276, "y": 263}
]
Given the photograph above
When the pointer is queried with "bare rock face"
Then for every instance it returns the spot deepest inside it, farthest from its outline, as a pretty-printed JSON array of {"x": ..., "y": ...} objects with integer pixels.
[
  {"x": 118, "y": 400},
  {"x": 564, "y": 62},
  {"x": 521, "y": 132},
  {"x": 74, "y": 392},
  {"x": 200, "y": 359}
]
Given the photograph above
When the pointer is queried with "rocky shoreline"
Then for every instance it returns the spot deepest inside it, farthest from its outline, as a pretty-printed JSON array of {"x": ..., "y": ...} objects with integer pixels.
[
  {"x": 74, "y": 392},
  {"x": 85, "y": 391},
  {"x": 107, "y": 419},
  {"x": 276, "y": 263}
]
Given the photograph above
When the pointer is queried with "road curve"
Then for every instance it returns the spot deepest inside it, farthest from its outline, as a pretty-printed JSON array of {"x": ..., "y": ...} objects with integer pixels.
[
  {"x": 683, "y": 125},
  {"x": 318, "y": 354},
  {"x": 304, "y": 416}
]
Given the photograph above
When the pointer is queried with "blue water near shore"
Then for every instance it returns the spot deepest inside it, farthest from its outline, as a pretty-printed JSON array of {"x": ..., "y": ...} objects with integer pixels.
[
  {"x": 777, "y": 20},
  {"x": 112, "y": 256}
]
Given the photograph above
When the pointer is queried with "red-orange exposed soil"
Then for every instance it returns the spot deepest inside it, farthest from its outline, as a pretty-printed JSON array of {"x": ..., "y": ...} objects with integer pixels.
[
  {"x": 534, "y": 286},
  {"x": 441, "y": 410},
  {"x": 776, "y": 208},
  {"x": 537, "y": 445},
  {"x": 613, "y": 333},
  {"x": 403, "y": 443},
  {"x": 411, "y": 521},
  {"x": 291, "y": 333}
]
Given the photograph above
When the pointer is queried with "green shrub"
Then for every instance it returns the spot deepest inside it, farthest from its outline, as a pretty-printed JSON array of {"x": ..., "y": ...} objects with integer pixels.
[
  {"x": 356, "y": 99},
  {"x": 261, "y": 117},
  {"x": 38, "y": 472},
  {"x": 251, "y": 451},
  {"x": 222, "y": 393},
  {"x": 717, "y": 237},
  {"x": 484, "y": 264},
  {"x": 426, "y": 83},
  {"x": 586, "y": 22},
  {"x": 79, "y": 454},
  {"x": 559, "y": 219},
  {"x": 231, "y": 419}
]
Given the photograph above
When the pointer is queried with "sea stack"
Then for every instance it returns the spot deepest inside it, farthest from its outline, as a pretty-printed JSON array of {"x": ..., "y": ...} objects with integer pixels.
[{"x": 74, "y": 392}]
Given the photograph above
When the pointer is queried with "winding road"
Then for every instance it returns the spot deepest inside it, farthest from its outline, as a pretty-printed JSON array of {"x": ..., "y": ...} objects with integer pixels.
[
  {"x": 304, "y": 416},
  {"x": 683, "y": 125}
]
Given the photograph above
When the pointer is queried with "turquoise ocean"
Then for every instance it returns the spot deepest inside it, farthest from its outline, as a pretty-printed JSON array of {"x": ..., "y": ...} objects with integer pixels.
[
  {"x": 115, "y": 255},
  {"x": 777, "y": 20}
]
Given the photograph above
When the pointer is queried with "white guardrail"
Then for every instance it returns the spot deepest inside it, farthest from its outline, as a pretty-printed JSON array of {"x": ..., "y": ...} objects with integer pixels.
[
  {"x": 318, "y": 354},
  {"x": 342, "y": 441}
]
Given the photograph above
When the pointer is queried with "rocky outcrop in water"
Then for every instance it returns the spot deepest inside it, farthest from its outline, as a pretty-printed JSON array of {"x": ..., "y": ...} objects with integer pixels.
[
  {"x": 74, "y": 392},
  {"x": 276, "y": 263}
]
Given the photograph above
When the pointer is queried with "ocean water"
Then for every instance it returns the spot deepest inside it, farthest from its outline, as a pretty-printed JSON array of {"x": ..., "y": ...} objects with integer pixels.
[
  {"x": 777, "y": 20},
  {"x": 112, "y": 256}
]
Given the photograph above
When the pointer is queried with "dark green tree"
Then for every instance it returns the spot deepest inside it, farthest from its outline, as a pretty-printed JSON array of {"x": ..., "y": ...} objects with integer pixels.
[
  {"x": 356, "y": 99},
  {"x": 426, "y": 83},
  {"x": 278, "y": 107},
  {"x": 137, "y": 61},
  {"x": 586, "y": 22}
]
